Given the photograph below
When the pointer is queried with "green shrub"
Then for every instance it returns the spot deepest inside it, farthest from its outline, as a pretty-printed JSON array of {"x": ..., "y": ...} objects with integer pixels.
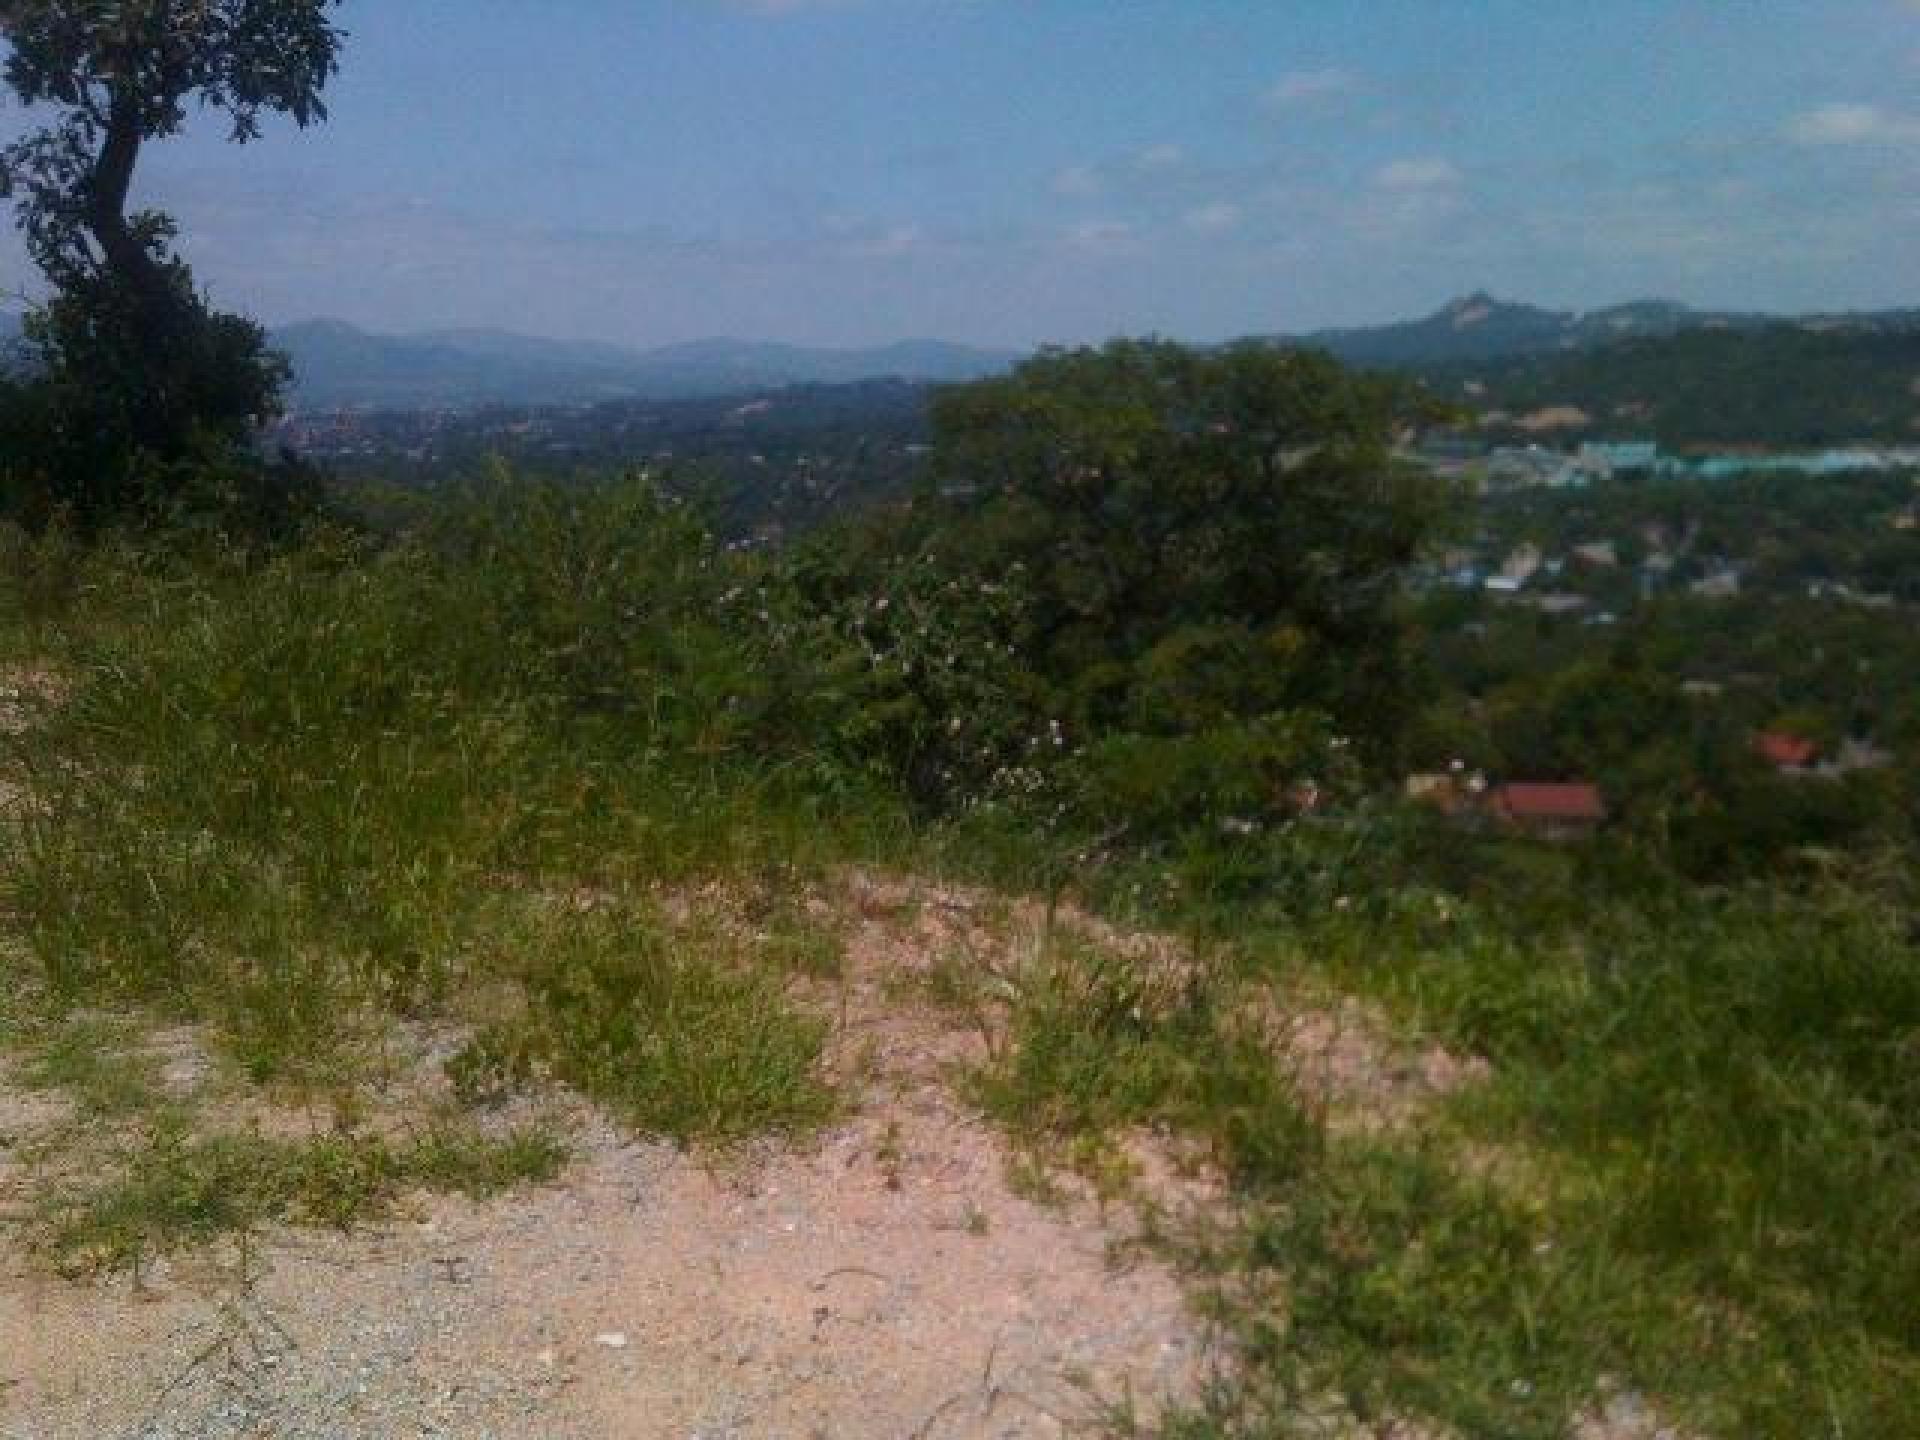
[{"x": 1243, "y": 776}]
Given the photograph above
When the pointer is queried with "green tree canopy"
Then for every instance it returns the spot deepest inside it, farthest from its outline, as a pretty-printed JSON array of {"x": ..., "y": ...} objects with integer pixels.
[
  {"x": 139, "y": 373},
  {"x": 1205, "y": 534},
  {"x": 1143, "y": 567}
]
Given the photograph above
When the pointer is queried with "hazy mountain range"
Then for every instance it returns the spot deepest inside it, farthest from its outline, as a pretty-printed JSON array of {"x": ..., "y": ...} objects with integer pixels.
[
  {"x": 337, "y": 364},
  {"x": 1478, "y": 328}
]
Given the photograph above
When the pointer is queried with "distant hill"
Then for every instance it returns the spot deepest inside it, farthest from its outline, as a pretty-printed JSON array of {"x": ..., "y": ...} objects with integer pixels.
[
  {"x": 337, "y": 365},
  {"x": 1479, "y": 327},
  {"x": 1652, "y": 368},
  {"x": 1658, "y": 369},
  {"x": 1780, "y": 384}
]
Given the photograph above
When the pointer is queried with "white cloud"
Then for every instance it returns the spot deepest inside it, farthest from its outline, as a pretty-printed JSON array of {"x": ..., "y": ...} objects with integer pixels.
[
  {"x": 1213, "y": 219},
  {"x": 1843, "y": 123},
  {"x": 1077, "y": 182},
  {"x": 1300, "y": 87},
  {"x": 1102, "y": 237},
  {"x": 894, "y": 242},
  {"x": 1150, "y": 168},
  {"x": 1417, "y": 173}
]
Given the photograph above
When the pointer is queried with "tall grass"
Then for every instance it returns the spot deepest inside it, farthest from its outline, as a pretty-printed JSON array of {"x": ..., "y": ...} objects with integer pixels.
[
  {"x": 1694, "y": 1171},
  {"x": 666, "y": 1034},
  {"x": 179, "y": 1187},
  {"x": 297, "y": 797}
]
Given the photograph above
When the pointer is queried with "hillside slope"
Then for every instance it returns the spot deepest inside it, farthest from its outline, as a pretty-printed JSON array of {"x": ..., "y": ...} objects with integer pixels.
[
  {"x": 1479, "y": 327},
  {"x": 1778, "y": 385}
]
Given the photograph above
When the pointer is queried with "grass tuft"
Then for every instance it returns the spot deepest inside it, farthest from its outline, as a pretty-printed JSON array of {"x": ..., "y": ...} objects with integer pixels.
[
  {"x": 176, "y": 1188},
  {"x": 677, "y": 1036}
]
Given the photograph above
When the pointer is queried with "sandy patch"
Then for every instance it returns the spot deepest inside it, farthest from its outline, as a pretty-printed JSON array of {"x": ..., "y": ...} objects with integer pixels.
[
  {"x": 884, "y": 1281},
  {"x": 26, "y": 693},
  {"x": 885, "y": 1284},
  {"x": 830, "y": 1295}
]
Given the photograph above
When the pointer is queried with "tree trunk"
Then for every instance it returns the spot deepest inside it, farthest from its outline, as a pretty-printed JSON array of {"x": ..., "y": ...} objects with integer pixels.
[
  {"x": 154, "y": 307},
  {"x": 126, "y": 258}
]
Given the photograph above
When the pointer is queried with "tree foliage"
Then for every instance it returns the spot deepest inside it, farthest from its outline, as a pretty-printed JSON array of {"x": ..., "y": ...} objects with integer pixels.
[
  {"x": 1145, "y": 542},
  {"x": 1781, "y": 385},
  {"x": 140, "y": 377},
  {"x": 1205, "y": 535}
]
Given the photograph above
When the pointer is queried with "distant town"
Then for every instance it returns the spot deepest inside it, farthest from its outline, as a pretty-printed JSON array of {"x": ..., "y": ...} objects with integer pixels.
[{"x": 1492, "y": 469}]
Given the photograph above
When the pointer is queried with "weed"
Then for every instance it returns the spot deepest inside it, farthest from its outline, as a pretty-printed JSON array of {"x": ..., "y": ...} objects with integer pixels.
[
  {"x": 675, "y": 1039},
  {"x": 177, "y": 1188},
  {"x": 99, "y": 1063},
  {"x": 43, "y": 573},
  {"x": 1100, "y": 1041},
  {"x": 891, "y": 1156},
  {"x": 285, "y": 799},
  {"x": 1696, "y": 1141},
  {"x": 792, "y": 940}
]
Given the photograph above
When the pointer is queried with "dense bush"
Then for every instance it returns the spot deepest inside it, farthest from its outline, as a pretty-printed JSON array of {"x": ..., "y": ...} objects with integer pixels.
[{"x": 1137, "y": 555}]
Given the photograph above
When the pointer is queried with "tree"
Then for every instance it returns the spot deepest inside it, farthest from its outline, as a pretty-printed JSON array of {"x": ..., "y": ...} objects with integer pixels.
[
  {"x": 1207, "y": 536},
  {"x": 1140, "y": 569},
  {"x": 140, "y": 376}
]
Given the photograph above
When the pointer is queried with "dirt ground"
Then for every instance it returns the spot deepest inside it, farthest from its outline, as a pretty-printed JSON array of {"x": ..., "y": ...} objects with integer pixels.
[
  {"x": 645, "y": 1296},
  {"x": 884, "y": 1280}
]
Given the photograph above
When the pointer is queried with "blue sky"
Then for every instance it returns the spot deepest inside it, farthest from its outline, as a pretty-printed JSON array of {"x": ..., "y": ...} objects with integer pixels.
[{"x": 1015, "y": 171}]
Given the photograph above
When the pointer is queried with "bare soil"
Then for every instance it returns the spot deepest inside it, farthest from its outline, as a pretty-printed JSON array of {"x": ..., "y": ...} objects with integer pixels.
[
  {"x": 884, "y": 1280},
  {"x": 646, "y": 1296}
]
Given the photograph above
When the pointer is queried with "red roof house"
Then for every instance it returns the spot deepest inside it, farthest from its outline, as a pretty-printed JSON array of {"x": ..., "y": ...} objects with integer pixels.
[
  {"x": 1784, "y": 751},
  {"x": 1554, "y": 812}
]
